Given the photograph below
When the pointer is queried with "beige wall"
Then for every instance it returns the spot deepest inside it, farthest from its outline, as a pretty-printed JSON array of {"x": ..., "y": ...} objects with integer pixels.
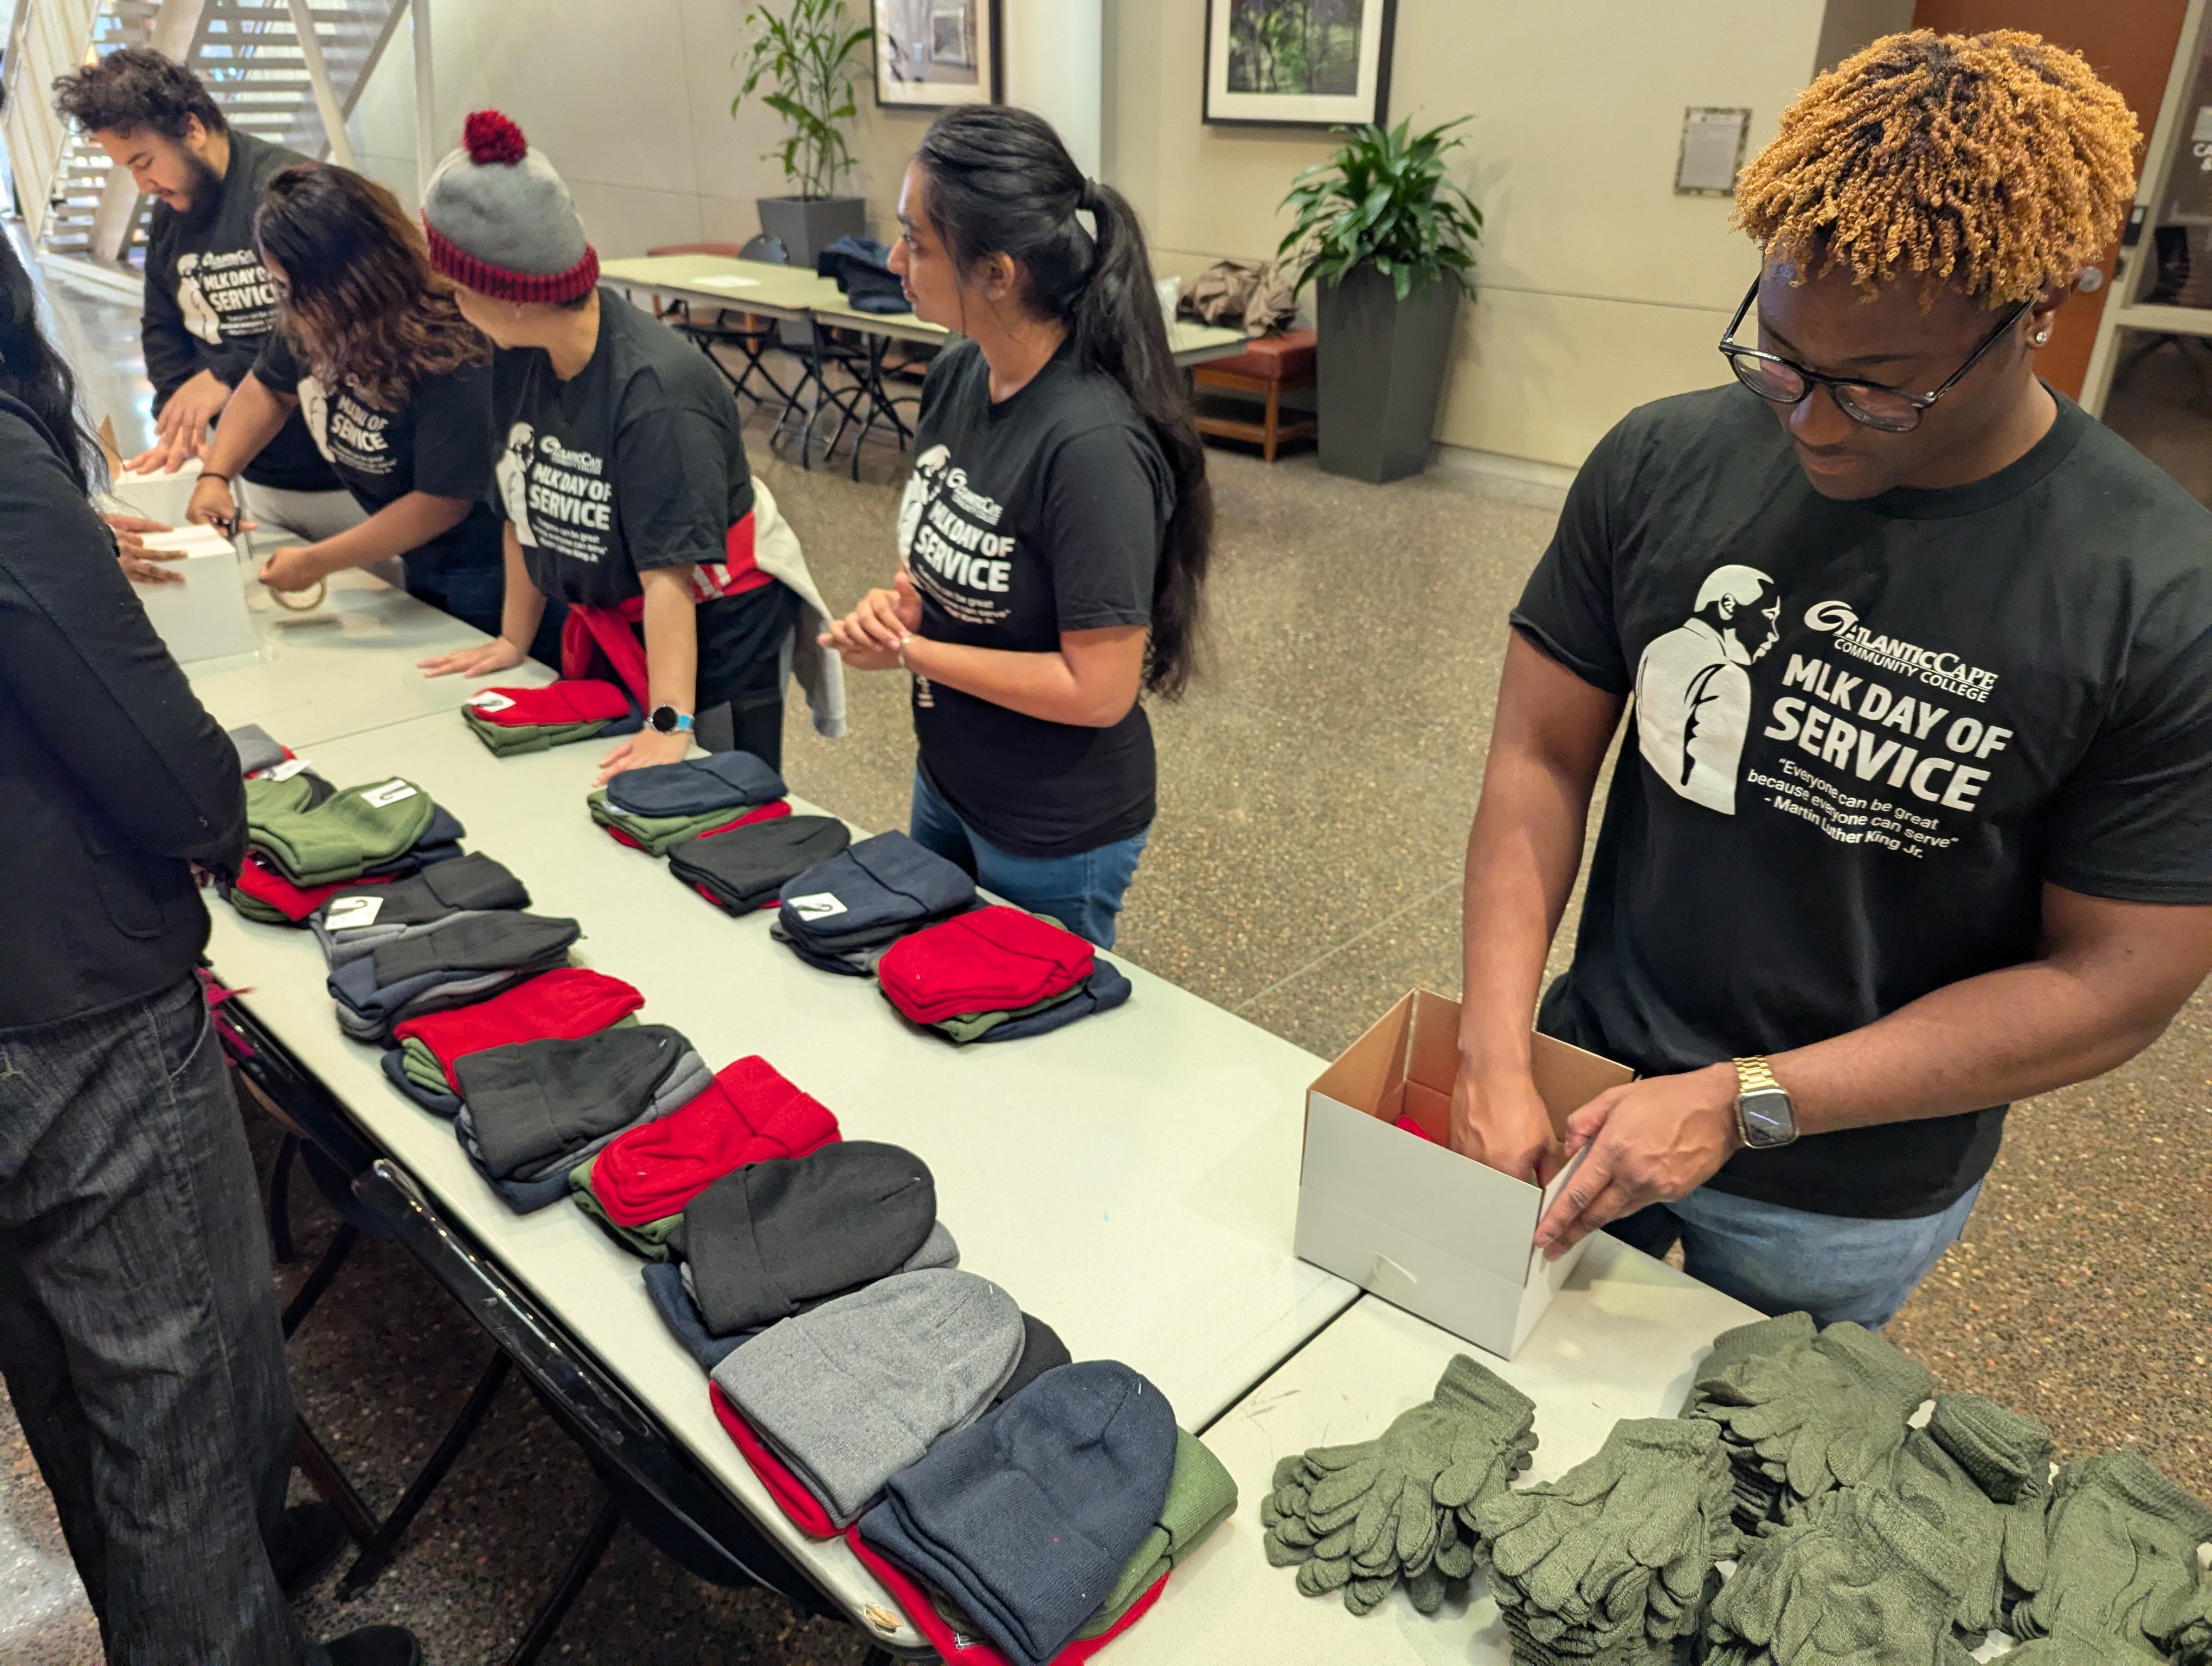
[{"x": 1599, "y": 287}]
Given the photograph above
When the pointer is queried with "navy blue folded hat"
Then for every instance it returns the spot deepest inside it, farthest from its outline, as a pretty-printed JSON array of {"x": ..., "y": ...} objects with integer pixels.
[
  {"x": 697, "y": 786},
  {"x": 1027, "y": 1517},
  {"x": 1105, "y": 988},
  {"x": 879, "y": 890}
]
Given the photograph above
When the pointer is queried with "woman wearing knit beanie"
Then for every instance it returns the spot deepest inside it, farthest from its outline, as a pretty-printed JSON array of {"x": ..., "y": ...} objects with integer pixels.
[
  {"x": 1052, "y": 542},
  {"x": 620, "y": 468}
]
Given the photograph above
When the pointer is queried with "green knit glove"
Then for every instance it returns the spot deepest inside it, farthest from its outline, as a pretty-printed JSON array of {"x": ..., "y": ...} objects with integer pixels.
[
  {"x": 2122, "y": 1554},
  {"x": 2069, "y": 1647}
]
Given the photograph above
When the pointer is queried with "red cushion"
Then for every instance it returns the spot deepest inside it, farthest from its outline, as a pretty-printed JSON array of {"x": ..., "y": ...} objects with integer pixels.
[{"x": 1288, "y": 357}]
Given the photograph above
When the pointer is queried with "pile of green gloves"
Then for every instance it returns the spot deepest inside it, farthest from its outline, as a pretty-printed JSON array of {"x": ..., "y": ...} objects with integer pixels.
[
  {"x": 1360, "y": 1518},
  {"x": 1978, "y": 1474},
  {"x": 1860, "y": 1577},
  {"x": 2122, "y": 1572},
  {"x": 1802, "y": 1414},
  {"x": 1613, "y": 1562}
]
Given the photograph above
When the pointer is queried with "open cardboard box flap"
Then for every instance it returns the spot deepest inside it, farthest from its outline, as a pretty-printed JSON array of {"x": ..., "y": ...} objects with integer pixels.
[{"x": 1417, "y": 1223}]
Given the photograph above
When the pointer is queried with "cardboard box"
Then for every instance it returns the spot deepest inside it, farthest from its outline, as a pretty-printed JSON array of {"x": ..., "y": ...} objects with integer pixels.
[
  {"x": 162, "y": 497},
  {"x": 205, "y": 617},
  {"x": 1417, "y": 1223}
]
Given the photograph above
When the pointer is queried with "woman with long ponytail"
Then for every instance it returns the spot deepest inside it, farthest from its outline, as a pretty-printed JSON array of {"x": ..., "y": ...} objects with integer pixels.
[{"x": 1053, "y": 538}]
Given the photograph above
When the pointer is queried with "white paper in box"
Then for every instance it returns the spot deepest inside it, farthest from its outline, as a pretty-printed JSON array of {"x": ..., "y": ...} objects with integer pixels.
[{"x": 1414, "y": 1222}]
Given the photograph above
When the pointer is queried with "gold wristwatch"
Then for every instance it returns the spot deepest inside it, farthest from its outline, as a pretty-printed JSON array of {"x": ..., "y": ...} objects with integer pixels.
[{"x": 1764, "y": 1114}]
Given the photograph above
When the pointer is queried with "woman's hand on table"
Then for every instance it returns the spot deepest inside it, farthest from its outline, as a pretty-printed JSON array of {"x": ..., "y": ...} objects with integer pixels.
[
  {"x": 497, "y": 655},
  {"x": 141, "y": 565},
  {"x": 294, "y": 566},
  {"x": 641, "y": 750}
]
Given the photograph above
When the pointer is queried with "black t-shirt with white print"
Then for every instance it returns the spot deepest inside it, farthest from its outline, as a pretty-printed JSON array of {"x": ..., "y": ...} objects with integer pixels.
[
  {"x": 1044, "y": 512},
  {"x": 437, "y": 439},
  {"x": 1865, "y": 736}
]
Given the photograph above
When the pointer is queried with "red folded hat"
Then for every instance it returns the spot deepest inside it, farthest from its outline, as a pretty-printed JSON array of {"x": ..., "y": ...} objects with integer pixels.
[
  {"x": 789, "y": 1493},
  {"x": 994, "y": 959},
  {"x": 566, "y": 1004},
  {"x": 760, "y": 812},
  {"x": 748, "y": 1114},
  {"x": 582, "y": 699},
  {"x": 958, "y": 1651},
  {"x": 263, "y": 883}
]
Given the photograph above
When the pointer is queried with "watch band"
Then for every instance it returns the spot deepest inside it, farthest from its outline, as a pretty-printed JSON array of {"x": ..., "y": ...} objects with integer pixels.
[{"x": 1754, "y": 1075}]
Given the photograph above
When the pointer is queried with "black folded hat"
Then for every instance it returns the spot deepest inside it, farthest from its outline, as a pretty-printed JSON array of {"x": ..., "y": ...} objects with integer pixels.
[
  {"x": 1041, "y": 1351},
  {"x": 770, "y": 1239},
  {"x": 529, "y": 1101},
  {"x": 475, "y": 943},
  {"x": 466, "y": 884},
  {"x": 742, "y": 868}
]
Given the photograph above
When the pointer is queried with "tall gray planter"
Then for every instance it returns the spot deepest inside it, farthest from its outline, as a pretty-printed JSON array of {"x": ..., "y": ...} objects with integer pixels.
[
  {"x": 808, "y": 225},
  {"x": 1380, "y": 367}
]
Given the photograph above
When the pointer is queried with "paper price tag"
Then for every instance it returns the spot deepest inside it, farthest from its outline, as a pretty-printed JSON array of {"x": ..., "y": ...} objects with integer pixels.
[
  {"x": 820, "y": 906},
  {"x": 351, "y": 913},
  {"x": 391, "y": 792},
  {"x": 489, "y": 700},
  {"x": 289, "y": 768}
]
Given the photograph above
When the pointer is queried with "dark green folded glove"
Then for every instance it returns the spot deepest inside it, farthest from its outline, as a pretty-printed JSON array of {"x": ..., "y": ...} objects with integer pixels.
[{"x": 2122, "y": 1561}]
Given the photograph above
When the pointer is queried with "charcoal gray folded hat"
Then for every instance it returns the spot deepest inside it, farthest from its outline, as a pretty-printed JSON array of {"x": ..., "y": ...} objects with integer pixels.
[
  {"x": 532, "y": 1102},
  {"x": 499, "y": 220},
  {"x": 767, "y": 1240},
  {"x": 851, "y": 1394}
]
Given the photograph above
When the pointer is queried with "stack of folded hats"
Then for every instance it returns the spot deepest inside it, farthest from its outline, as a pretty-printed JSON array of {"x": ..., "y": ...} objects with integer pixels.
[
  {"x": 1806, "y": 1414},
  {"x": 510, "y": 720},
  {"x": 563, "y": 1004},
  {"x": 740, "y": 868},
  {"x": 1979, "y": 1475},
  {"x": 664, "y": 804},
  {"x": 840, "y": 915},
  {"x": 306, "y": 839},
  {"x": 258, "y": 749},
  {"x": 639, "y": 1186},
  {"x": 355, "y": 919},
  {"x": 831, "y": 1404},
  {"x": 2123, "y": 1571},
  {"x": 1615, "y": 1562},
  {"x": 997, "y": 974},
  {"x": 1359, "y": 1518},
  {"x": 530, "y": 1111},
  {"x": 459, "y": 960},
  {"x": 1045, "y": 1522},
  {"x": 1860, "y": 1577}
]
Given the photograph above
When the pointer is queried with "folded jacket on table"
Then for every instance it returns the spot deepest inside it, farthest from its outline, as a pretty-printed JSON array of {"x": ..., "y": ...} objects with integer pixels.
[
  {"x": 639, "y": 1186},
  {"x": 459, "y": 960},
  {"x": 354, "y": 831},
  {"x": 530, "y": 1111},
  {"x": 355, "y": 918},
  {"x": 1028, "y": 1520},
  {"x": 871, "y": 895},
  {"x": 717, "y": 782},
  {"x": 854, "y": 1392},
  {"x": 740, "y": 868},
  {"x": 655, "y": 835}
]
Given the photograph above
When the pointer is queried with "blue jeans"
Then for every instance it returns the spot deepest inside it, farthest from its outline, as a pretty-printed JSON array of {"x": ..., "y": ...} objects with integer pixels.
[
  {"x": 139, "y": 1329},
  {"x": 1780, "y": 1260},
  {"x": 478, "y": 596},
  {"x": 1082, "y": 892}
]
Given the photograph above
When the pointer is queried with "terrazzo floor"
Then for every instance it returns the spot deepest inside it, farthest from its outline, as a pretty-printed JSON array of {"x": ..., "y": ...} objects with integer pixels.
[{"x": 1316, "y": 789}]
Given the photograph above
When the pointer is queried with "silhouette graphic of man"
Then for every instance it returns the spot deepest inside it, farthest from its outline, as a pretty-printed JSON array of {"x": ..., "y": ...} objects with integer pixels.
[
  {"x": 1692, "y": 693},
  {"x": 512, "y": 472}
]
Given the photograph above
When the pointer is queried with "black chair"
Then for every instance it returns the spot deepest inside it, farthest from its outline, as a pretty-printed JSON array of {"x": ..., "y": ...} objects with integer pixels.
[{"x": 749, "y": 336}]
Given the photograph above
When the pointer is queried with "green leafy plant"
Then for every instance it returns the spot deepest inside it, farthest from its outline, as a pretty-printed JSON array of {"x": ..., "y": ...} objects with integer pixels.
[
  {"x": 810, "y": 59},
  {"x": 1384, "y": 200}
]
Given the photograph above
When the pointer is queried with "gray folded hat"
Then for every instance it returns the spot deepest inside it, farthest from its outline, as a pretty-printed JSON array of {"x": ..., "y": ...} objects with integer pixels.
[{"x": 852, "y": 1393}]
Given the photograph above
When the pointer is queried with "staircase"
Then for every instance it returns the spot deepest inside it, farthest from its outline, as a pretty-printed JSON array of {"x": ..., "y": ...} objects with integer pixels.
[{"x": 251, "y": 53}]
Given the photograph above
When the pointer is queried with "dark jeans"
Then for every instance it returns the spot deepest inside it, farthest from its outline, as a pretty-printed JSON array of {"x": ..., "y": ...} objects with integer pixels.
[
  {"x": 478, "y": 596},
  {"x": 138, "y": 1330}
]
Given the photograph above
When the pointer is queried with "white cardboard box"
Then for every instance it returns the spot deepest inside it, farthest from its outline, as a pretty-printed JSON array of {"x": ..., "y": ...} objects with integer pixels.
[
  {"x": 205, "y": 617},
  {"x": 1417, "y": 1223},
  {"x": 162, "y": 497}
]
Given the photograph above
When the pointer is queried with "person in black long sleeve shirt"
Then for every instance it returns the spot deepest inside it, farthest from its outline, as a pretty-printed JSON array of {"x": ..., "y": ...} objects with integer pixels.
[
  {"x": 209, "y": 304},
  {"x": 139, "y": 1336}
]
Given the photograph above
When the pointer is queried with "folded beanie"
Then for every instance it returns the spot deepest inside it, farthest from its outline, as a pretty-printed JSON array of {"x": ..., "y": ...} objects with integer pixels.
[
  {"x": 720, "y": 781},
  {"x": 769, "y": 1238},
  {"x": 499, "y": 220},
  {"x": 858, "y": 1389},
  {"x": 990, "y": 959},
  {"x": 1028, "y": 1518},
  {"x": 740, "y": 868},
  {"x": 535, "y": 1100},
  {"x": 559, "y": 703},
  {"x": 1041, "y": 1351},
  {"x": 564, "y": 1003},
  {"x": 749, "y": 1114}
]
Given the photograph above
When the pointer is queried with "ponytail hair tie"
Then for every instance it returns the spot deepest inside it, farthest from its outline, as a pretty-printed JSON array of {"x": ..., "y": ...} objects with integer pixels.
[{"x": 1089, "y": 199}]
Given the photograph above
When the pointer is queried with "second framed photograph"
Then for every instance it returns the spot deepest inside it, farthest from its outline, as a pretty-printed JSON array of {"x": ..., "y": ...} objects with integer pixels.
[
  {"x": 1298, "y": 62},
  {"x": 931, "y": 54}
]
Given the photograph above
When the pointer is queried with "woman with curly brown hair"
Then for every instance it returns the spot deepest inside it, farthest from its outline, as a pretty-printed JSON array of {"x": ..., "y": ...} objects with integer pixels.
[{"x": 395, "y": 385}]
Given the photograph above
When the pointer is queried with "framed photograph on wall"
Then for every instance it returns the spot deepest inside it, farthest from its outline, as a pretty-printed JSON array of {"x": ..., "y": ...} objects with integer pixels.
[
  {"x": 1298, "y": 62},
  {"x": 931, "y": 54}
]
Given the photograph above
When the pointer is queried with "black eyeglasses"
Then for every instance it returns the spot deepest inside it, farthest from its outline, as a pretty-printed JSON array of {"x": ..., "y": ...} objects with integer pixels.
[{"x": 1891, "y": 409}]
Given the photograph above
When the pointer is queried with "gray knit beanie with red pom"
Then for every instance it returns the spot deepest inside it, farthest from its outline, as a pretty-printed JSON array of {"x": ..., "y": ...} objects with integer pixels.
[{"x": 499, "y": 222}]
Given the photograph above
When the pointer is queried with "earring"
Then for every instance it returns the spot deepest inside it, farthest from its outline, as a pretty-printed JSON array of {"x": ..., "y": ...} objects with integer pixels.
[{"x": 2041, "y": 339}]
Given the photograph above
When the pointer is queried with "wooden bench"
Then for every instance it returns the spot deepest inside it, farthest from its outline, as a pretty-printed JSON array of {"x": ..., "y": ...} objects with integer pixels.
[{"x": 1266, "y": 369}]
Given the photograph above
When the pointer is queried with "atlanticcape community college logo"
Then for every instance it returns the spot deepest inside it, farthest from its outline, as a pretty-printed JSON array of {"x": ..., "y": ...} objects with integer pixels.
[{"x": 1938, "y": 669}]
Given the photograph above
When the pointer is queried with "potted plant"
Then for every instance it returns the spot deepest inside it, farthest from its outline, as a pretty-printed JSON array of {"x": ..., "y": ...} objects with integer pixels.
[
  {"x": 810, "y": 59},
  {"x": 1390, "y": 239}
]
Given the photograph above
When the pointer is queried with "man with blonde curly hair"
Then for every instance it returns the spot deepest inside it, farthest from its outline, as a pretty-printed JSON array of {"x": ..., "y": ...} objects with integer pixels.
[{"x": 1947, "y": 840}]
